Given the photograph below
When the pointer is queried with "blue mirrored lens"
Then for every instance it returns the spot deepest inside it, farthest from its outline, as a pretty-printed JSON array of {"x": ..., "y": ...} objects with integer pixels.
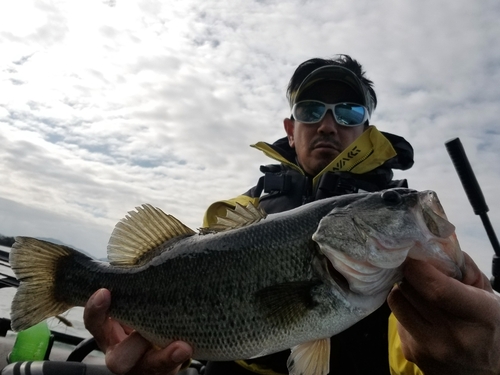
[
  {"x": 349, "y": 114},
  {"x": 309, "y": 112}
]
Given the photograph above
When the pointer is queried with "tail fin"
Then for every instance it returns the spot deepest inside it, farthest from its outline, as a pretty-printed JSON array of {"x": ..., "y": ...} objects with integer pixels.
[{"x": 34, "y": 263}]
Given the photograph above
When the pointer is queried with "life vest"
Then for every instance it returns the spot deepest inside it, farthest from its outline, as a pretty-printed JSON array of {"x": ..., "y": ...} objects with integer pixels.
[{"x": 366, "y": 165}]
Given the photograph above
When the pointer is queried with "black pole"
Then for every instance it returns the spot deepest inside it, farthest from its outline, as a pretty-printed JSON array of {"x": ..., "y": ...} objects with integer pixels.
[{"x": 476, "y": 199}]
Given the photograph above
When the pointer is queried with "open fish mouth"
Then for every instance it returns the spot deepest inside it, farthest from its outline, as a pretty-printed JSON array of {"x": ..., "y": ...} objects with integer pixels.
[{"x": 369, "y": 250}]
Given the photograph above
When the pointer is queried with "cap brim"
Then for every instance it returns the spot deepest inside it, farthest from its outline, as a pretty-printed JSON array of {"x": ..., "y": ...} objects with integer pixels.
[{"x": 334, "y": 73}]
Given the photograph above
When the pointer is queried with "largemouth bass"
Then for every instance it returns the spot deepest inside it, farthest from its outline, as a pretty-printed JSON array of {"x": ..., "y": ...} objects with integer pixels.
[{"x": 250, "y": 286}]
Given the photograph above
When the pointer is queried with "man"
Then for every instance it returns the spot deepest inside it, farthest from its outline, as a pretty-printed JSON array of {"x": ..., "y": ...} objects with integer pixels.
[
  {"x": 445, "y": 326},
  {"x": 327, "y": 152}
]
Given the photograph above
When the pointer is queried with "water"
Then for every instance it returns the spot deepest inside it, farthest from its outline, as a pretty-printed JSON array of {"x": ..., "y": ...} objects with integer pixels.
[{"x": 74, "y": 315}]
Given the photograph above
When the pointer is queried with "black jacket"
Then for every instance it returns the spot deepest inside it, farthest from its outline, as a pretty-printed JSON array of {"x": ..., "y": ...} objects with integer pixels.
[{"x": 363, "y": 348}]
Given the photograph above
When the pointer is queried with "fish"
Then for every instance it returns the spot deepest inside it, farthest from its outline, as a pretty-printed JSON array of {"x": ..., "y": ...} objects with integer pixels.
[{"x": 250, "y": 285}]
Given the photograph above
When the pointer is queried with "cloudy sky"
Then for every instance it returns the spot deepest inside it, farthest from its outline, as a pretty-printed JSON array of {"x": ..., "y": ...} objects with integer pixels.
[{"x": 105, "y": 105}]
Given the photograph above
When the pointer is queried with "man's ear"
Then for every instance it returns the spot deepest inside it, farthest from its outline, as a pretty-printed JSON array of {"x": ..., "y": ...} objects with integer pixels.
[{"x": 289, "y": 125}]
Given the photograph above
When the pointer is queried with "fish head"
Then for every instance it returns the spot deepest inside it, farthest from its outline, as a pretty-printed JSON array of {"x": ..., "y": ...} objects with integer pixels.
[{"x": 368, "y": 239}]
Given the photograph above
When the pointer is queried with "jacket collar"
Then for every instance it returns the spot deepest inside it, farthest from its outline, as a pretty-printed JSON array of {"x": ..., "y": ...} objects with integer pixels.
[{"x": 380, "y": 149}]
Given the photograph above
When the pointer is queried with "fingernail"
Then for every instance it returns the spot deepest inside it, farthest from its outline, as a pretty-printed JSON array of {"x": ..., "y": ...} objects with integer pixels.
[
  {"x": 98, "y": 299},
  {"x": 180, "y": 355}
]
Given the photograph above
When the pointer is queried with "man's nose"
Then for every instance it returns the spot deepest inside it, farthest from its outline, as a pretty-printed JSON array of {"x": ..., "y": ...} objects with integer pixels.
[{"x": 328, "y": 123}]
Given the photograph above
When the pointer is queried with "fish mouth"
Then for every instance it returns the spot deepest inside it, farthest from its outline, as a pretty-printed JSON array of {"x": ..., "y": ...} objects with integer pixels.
[
  {"x": 433, "y": 214},
  {"x": 442, "y": 248},
  {"x": 442, "y": 253}
]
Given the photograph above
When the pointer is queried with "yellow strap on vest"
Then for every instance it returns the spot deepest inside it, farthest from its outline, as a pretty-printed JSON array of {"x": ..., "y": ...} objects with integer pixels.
[
  {"x": 369, "y": 151},
  {"x": 398, "y": 364}
]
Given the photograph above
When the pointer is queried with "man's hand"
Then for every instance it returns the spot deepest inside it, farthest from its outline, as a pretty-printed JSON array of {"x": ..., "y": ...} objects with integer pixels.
[
  {"x": 126, "y": 351},
  {"x": 448, "y": 326}
]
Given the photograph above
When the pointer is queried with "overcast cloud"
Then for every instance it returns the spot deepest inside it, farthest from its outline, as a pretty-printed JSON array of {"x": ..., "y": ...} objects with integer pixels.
[{"x": 105, "y": 105}]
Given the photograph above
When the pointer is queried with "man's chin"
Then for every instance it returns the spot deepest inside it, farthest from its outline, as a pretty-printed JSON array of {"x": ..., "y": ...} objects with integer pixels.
[
  {"x": 325, "y": 154},
  {"x": 323, "y": 157}
]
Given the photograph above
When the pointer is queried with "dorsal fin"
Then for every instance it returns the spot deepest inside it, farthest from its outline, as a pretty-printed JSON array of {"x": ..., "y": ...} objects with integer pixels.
[
  {"x": 237, "y": 217},
  {"x": 141, "y": 232}
]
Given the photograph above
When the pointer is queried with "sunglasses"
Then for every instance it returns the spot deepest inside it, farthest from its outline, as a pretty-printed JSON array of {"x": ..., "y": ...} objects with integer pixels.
[{"x": 345, "y": 114}]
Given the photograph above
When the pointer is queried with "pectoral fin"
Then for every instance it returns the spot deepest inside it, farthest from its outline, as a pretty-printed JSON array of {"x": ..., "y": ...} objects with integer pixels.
[
  {"x": 310, "y": 358},
  {"x": 287, "y": 303}
]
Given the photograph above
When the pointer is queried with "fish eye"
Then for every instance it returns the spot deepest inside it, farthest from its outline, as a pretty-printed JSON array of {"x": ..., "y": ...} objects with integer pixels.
[{"x": 391, "y": 197}]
